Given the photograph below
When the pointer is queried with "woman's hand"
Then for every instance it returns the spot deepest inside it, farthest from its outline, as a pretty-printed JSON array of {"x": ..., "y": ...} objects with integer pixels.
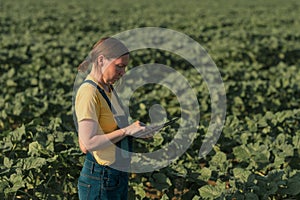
[
  {"x": 134, "y": 128},
  {"x": 140, "y": 130}
]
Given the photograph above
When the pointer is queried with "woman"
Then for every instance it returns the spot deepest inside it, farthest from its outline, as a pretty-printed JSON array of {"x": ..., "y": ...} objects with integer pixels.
[{"x": 99, "y": 132}]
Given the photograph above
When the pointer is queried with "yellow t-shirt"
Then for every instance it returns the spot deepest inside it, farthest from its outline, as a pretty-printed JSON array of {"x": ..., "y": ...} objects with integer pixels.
[{"x": 90, "y": 104}]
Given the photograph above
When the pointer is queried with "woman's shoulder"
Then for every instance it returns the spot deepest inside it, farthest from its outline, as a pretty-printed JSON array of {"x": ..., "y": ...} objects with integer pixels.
[{"x": 87, "y": 91}]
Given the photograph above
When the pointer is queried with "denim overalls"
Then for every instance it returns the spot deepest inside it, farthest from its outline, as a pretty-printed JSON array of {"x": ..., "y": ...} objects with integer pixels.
[{"x": 101, "y": 182}]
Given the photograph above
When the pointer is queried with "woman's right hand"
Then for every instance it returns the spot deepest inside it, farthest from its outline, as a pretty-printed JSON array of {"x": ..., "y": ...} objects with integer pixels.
[
  {"x": 134, "y": 128},
  {"x": 82, "y": 147}
]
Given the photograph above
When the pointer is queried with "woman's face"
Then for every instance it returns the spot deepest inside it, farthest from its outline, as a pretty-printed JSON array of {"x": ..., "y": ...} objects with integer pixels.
[{"x": 114, "y": 69}]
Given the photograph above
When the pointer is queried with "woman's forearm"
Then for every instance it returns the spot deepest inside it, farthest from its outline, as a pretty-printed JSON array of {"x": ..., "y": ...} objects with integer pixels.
[{"x": 92, "y": 140}]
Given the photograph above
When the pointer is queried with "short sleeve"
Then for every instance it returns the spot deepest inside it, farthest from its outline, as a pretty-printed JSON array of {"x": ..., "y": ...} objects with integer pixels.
[{"x": 87, "y": 104}]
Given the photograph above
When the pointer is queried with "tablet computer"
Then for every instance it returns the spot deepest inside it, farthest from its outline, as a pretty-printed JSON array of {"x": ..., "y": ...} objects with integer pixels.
[{"x": 155, "y": 127}]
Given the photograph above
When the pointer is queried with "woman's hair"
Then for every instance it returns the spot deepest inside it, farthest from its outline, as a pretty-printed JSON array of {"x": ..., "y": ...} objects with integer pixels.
[{"x": 110, "y": 48}]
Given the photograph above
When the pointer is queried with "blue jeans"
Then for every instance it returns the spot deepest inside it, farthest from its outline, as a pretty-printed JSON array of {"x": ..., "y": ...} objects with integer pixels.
[{"x": 101, "y": 182}]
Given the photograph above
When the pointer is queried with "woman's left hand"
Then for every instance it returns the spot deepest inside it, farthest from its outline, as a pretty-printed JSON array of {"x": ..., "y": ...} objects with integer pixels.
[{"x": 149, "y": 132}]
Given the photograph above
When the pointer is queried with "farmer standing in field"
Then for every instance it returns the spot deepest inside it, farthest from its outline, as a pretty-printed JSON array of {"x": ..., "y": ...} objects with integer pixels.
[{"x": 103, "y": 132}]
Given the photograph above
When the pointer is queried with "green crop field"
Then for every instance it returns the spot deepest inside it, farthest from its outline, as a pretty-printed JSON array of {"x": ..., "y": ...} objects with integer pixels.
[{"x": 255, "y": 45}]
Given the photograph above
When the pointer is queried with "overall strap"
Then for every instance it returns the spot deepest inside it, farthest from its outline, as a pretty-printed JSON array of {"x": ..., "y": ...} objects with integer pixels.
[{"x": 102, "y": 92}]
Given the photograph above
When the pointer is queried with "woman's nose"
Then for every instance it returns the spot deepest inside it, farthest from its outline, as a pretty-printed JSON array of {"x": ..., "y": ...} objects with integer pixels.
[{"x": 122, "y": 72}]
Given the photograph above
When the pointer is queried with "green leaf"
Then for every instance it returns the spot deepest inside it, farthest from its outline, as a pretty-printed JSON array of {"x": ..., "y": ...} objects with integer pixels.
[
  {"x": 196, "y": 197},
  {"x": 241, "y": 174},
  {"x": 244, "y": 138},
  {"x": 52, "y": 159},
  {"x": 293, "y": 185},
  {"x": 261, "y": 154},
  {"x": 280, "y": 139},
  {"x": 34, "y": 149},
  {"x": 218, "y": 159},
  {"x": 205, "y": 173},
  {"x": 210, "y": 192},
  {"x": 31, "y": 162},
  {"x": 55, "y": 123},
  {"x": 262, "y": 123},
  {"x": 242, "y": 153},
  {"x": 296, "y": 141},
  {"x": 158, "y": 139},
  {"x": 17, "y": 134},
  {"x": 11, "y": 73},
  {"x": 11, "y": 83},
  {"x": 164, "y": 197},
  {"x": 279, "y": 160},
  {"x": 180, "y": 169},
  {"x": 17, "y": 181},
  {"x": 4, "y": 184},
  {"x": 7, "y": 162},
  {"x": 160, "y": 181},
  {"x": 281, "y": 116},
  {"x": 139, "y": 190}
]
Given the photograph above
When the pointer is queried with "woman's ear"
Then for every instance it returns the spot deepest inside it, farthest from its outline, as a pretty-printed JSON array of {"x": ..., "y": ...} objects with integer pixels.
[{"x": 100, "y": 60}]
